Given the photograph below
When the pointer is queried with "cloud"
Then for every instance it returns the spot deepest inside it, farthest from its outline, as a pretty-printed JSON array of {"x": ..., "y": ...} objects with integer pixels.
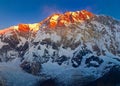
[{"x": 48, "y": 10}]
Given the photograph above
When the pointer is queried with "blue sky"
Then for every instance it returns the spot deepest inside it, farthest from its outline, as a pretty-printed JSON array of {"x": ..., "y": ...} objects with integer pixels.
[{"x": 13, "y": 12}]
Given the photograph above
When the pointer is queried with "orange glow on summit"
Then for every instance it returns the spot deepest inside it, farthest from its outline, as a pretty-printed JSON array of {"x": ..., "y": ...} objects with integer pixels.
[
  {"x": 22, "y": 28},
  {"x": 59, "y": 20},
  {"x": 28, "y": 27},
  {"x": 53, "y": 21}
]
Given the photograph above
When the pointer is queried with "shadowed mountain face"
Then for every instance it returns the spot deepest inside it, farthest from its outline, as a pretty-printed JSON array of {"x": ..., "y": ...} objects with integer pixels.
[
  {"x": 72, "y": 49},
  {"x": 112, "y": 78}
]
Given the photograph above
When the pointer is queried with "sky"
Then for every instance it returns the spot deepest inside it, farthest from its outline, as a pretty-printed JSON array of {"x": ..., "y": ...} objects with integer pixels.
[{"x": 13, "y": 12}]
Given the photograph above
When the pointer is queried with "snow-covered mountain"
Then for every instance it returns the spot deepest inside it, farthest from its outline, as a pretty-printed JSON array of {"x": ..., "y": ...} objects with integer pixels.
[{"x": 71, "y": 49}]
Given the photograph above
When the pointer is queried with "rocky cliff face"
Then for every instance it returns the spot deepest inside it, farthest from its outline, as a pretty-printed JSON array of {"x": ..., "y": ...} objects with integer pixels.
[{"x": 79, "y": 45}]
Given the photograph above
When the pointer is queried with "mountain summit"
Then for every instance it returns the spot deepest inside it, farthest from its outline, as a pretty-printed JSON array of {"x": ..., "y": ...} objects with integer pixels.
[
  {"x": 53, "y": 21},
  {"x": 70, "y": 49},
  {"x": 60, "y": 20}
]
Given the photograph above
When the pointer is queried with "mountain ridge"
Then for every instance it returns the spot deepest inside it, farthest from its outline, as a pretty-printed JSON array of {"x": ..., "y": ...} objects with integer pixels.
[
  {"x": 81, "y": 51},
  {"x": 54, "y": 20}
]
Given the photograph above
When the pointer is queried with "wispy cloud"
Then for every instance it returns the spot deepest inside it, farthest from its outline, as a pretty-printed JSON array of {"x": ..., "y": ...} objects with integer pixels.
[{"x": 48, "y": 10}]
